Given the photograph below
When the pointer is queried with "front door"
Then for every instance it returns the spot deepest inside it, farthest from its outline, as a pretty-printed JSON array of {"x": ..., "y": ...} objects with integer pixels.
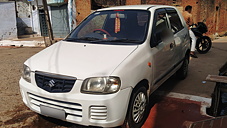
[
  {"x": 180, "y": 34},
  {"x": 162, "y": 44}
]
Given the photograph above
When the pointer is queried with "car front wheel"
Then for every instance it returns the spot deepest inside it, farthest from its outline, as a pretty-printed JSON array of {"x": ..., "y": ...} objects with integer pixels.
[{"x": 137, "y": 108}]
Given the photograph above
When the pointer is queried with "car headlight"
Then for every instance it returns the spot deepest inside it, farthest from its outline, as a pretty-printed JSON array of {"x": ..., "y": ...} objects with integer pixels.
[
  {"x": 26, "y": 73},
  {"x": 101, "y": 85}
]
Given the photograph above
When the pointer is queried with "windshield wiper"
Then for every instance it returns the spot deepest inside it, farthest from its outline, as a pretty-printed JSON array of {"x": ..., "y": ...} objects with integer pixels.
[
  {"x": 123, "y": 40},
  {"x": 71, "y": 39},
  {"x": 118, "y": 41},
  {"x": 96, "y": 40},
  {"x": 82, "y": 38},
  {"x": 88, "y": 38}
]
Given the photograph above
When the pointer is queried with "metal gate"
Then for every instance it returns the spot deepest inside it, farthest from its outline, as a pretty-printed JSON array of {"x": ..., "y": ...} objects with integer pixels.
[
  {"x": 43, "y": 25},
  {"x": 60, "y": 22}
]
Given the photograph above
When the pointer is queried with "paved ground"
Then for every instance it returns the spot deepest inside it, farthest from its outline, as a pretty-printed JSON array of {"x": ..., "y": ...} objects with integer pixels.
[
  {"x": 199, "y": 68},
  {"x": 13, "y": 113},
  {"x": 174, "y": 113}
]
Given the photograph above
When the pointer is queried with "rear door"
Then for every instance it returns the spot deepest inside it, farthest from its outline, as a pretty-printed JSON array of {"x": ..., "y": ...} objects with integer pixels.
[{"x": 162, "y": 46}]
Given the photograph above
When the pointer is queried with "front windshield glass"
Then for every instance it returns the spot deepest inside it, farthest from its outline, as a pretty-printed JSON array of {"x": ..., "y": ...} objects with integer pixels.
[{"x": 114, "y": 27}]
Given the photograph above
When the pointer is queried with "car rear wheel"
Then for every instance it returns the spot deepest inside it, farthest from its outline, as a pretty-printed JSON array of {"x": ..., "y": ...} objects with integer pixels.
[{"x": 183, "y": 71}]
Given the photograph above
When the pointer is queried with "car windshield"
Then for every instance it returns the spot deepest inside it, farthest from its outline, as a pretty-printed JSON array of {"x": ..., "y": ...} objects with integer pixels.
[{"x": 113, "y": 27}]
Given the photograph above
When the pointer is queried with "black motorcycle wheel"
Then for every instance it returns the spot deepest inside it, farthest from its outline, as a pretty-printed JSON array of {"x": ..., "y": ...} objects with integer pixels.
[{"x": 203, "y": 44}]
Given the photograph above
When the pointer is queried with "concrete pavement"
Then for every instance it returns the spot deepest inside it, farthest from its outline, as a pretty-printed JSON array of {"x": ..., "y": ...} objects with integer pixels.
[
  {"x": 27, "y": 42},
  {"x": 175, "y": 113}
]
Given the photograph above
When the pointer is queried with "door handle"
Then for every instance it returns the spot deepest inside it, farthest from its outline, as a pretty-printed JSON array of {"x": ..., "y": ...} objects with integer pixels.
[
  {"x": 185, "y": 36},
  {"x": 171, "y": 45}
]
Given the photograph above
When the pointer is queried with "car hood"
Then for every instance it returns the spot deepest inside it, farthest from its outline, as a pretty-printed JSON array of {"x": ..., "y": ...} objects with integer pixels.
[{"x": 80, "y": 60}]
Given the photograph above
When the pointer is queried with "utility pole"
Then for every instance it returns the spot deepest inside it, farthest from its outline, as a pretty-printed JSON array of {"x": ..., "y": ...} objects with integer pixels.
[{"x": 47, "y": 17}]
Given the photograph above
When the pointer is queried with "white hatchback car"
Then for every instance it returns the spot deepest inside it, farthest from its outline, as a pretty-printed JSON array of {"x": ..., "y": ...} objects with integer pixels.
[{"x": 103, "y": 73}]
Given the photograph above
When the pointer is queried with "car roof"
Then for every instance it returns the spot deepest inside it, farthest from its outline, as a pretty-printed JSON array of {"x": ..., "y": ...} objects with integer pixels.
[{"x": 136, "y": 7}]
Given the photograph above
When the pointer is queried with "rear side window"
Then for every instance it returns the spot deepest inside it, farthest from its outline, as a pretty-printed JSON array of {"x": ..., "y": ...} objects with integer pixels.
[{"x": 176, "y": 24}]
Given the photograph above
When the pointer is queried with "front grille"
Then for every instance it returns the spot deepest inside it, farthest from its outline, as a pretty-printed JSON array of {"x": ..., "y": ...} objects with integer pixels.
[
  {"x": 54, "y": 83},
  {"x": 73, "y": 110},
  {"x": 98, "y": 112}
]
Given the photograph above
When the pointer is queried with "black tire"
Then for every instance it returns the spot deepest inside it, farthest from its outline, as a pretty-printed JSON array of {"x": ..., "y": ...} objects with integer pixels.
[
  {"x": 183, "y": 71},
  {"x": 138, "y": 105},
  {"x": 203, "y": 44}
]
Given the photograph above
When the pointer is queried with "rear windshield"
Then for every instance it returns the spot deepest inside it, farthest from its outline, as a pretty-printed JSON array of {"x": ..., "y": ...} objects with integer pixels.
[{"x": 113, "y": 27}]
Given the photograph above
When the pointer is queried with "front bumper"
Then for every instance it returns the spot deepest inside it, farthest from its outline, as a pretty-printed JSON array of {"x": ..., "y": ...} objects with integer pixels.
[{"x": 86, "y": 109}]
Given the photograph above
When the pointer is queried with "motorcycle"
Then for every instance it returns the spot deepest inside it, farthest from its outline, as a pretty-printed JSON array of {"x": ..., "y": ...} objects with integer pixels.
[{"x": 203, "y": 43}]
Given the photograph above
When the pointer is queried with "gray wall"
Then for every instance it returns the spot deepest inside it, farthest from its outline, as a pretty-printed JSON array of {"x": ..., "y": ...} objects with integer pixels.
[{"x": 8, "y": 28}]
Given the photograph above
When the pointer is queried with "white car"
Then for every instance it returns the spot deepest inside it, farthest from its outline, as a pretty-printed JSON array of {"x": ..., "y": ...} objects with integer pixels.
[{"x": 103, "y": 73}]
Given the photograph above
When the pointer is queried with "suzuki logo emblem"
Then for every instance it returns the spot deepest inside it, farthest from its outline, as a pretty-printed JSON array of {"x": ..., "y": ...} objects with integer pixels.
[{"x": 51, "y": 83}]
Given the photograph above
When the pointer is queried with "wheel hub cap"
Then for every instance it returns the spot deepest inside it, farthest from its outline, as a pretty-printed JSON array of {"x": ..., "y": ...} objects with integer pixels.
[{"x": 139, "y": 107}]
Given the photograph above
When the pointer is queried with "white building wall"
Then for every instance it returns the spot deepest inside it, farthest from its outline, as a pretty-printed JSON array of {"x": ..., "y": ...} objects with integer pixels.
[
  {"x": 8, "y": 28},
  {"x": 35, "y": 16},
  {"x": 35, "y": 21},
  {"x": 24, "y": 13}
]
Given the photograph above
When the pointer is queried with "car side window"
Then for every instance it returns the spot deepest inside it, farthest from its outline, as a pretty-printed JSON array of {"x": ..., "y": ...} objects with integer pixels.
[
  {"x": 176, "y": 24},
  {"x": 160, "y": 27}
]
